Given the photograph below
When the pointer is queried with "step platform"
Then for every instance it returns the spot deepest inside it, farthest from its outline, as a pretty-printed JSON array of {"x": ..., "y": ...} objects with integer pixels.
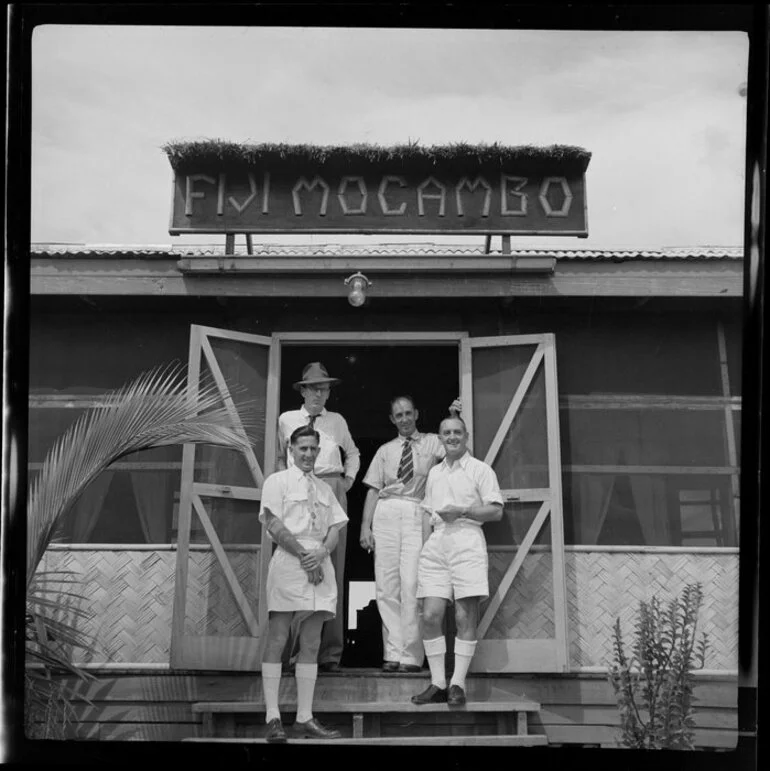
[
  {"x": 362, "y": 722},
  {"x": 494, "y": 740}
]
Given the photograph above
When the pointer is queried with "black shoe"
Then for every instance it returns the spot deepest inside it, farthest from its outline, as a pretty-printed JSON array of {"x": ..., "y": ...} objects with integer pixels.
[
  {"x": 409, "y": 668},
  {"x": 312, "y": 729},
  {"x": 431, "y": 695},
  {"x": 275, "y": 733},
  {"x": 390, "y": 666},
  {"x": 329, "y": 666},
  {"x": 456, "y": 696}
]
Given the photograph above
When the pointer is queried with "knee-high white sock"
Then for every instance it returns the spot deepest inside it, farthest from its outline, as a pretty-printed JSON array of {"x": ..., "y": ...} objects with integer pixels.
[
  {"x": 305, "y": 675},
  {"x": 271, "y": 680},
  {"x": 435, "y": 650},
  {"x": 464, "y": 650}
]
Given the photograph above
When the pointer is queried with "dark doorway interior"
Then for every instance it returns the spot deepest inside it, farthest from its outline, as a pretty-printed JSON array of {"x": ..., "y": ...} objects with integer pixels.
[{"x": 371, "y": 375}]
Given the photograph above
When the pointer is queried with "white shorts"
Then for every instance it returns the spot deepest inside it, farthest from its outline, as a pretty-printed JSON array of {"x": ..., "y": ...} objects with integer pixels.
[
  {"x": 288, "y": 588},
  {"x": 454, "y": 564}
]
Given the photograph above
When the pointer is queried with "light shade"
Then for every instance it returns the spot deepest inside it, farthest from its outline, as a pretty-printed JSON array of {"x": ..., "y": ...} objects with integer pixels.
[{"x": 358, "y": 284}]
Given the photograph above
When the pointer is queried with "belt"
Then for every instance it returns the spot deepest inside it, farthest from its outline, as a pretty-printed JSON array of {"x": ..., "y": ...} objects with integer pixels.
[
  {"x": 334, "y": 474},
  {"x": 405, "y": 498}
]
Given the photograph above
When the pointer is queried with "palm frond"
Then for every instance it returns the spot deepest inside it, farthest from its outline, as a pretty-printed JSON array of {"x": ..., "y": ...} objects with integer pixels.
[{"x": 156, "y": 409}]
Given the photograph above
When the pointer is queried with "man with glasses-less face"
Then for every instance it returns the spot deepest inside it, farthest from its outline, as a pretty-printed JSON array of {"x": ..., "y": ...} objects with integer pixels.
[
  {"x": 392, "y": 527},
  {"x": 338, "y": 473}
]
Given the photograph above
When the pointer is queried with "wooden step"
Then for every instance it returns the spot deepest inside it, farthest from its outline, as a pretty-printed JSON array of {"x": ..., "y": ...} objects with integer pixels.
[
  {"x": 221, "y": 714},
  {"x": 508, "y": 740},
  {"x": 258, "y": 707}
]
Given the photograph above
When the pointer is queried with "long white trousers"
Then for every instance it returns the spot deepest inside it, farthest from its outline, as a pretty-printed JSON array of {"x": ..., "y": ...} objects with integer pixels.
[{"x": 397, "y": 530}]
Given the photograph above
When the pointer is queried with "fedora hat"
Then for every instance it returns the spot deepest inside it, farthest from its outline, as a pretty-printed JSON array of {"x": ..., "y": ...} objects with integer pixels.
[{"x": 315, "y": 373}]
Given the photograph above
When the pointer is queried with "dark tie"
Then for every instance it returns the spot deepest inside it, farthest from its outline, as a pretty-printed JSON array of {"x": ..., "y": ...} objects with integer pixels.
[
  {"x": 406, "y": 465},
  {"x": 312, "y": 420}
]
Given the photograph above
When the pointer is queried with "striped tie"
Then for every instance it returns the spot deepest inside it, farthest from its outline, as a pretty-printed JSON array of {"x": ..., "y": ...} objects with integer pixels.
[
  {"x": 406, "y": 465},
  {"x": 312, "y": 420}
]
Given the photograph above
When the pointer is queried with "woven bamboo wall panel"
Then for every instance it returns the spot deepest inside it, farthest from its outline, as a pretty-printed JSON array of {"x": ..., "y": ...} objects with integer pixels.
[
  {"x": 130, "y": 595},
  {"x": 602, "y": 586},
  {"x": 527, "y": 610},
  {"x": 131, "y": 598},
  {"x": 210, "y": 608}
]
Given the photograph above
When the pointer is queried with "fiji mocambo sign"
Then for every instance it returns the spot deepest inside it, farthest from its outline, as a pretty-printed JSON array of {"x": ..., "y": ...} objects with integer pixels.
[{"x": 287, "y": 189}]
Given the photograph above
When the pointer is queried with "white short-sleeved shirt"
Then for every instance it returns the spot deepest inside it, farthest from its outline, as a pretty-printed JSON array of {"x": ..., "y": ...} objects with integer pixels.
[
  {"x": 382, "y": 475},
  {"x": 285, "y": 493},
  {"x": 335, "y": 435},
  {"x": 468, "y": 482}
]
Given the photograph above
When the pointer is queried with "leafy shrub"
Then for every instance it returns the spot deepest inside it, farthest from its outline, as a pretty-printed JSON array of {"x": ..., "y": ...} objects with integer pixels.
[{"x": 654, "y": 685}]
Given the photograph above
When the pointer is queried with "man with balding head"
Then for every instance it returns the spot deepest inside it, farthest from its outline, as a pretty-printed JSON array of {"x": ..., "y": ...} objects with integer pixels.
[
  {"x": 461, "y": 494},
  {"x": 392, "y": 526}
]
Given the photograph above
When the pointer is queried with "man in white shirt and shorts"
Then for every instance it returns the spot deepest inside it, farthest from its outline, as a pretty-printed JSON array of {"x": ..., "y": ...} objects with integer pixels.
[
  {"x": 461, "y": 494},
  {"x": 315, "y": 388},
  {"x": 304, "y": 519}
]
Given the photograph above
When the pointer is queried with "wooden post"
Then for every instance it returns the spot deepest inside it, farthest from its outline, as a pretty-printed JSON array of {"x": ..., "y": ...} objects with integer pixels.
[
  {"x": 506, "y": 244},
  {"x": 487, "y": 244},
  {"x": 249, "y": 244},
  {"x": 521, "y": 723},
  {"x": 358, "y": 726},
  {"x": 229, "y": 249}
]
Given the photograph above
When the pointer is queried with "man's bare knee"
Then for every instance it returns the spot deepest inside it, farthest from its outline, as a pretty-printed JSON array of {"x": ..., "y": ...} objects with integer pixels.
[
  {"x": 310, "y": 639},
  {"x": 433, "y": 616},
  {"x": 277, "y": 635}
]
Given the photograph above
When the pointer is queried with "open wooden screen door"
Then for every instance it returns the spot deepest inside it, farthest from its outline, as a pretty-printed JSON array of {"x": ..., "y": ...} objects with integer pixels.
[
  {"x": 222, "y": 552},
  {"x": 510, "y": 404}
]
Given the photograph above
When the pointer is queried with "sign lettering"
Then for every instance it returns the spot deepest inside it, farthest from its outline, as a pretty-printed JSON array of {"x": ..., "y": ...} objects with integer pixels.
[{"x": 276, "y": 200}]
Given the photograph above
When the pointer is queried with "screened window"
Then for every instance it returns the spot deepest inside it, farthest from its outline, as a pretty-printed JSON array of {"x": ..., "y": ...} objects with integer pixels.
[
  {"x": 650, "y": 434},
  {"x": 635, "y": 509}
]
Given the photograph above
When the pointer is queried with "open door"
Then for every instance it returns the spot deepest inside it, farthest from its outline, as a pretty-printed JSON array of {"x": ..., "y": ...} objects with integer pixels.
[
  {"x": 510, "y": 405},
  {"x": 222, "y": 551}
]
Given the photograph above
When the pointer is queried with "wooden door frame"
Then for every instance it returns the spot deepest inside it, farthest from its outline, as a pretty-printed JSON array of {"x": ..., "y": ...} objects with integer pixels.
[
  {"x": 188, "y": 652},
  {"x": 552, "y": 497}
]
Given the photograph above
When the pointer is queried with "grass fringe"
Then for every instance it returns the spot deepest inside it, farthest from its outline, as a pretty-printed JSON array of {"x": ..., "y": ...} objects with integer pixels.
[{"x": 219, "y": 153}]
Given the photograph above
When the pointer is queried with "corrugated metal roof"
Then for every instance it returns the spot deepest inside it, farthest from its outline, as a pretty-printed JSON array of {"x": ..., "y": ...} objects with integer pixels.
[{"x": 384, "y": 249}]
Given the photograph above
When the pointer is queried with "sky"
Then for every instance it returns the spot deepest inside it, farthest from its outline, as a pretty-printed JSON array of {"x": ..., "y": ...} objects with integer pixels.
[{"x": 663, "y": 114}]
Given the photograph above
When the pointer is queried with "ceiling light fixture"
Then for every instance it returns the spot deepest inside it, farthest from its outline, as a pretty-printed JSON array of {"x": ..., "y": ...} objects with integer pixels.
[{"x": 358, "y": 284}]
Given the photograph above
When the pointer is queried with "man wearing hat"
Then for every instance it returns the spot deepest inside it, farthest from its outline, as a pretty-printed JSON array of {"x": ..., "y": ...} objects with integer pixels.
[{"x": 337, "y": 472}]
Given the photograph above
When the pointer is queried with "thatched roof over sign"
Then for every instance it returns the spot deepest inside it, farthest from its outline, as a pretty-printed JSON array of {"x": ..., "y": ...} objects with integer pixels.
[{"x": 219, "y": 154}]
